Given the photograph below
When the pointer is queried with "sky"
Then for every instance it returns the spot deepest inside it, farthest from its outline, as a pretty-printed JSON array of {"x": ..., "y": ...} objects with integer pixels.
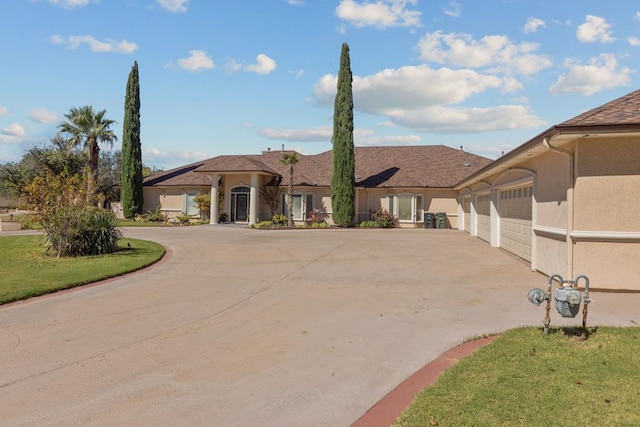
[{"x": 243, "y": 76}]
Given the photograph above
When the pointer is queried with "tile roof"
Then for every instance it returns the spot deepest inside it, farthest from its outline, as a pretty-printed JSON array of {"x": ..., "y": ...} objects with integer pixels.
[
  {"x": 384, "y": 167},
  {"x": 624, "y": 110}
]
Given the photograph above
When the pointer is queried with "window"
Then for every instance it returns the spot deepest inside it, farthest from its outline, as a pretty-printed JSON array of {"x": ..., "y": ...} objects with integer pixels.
[
  {"x": 191, "y": 207},
  {"x": 419, "y": 208},
  {"x": 302, "y": 204},
  {"x": 408, "y": 207},
  {"x": 405, "y": 202}
]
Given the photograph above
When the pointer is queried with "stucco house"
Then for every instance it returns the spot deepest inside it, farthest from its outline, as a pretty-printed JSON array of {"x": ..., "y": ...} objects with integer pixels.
[
  {"x": 406, "y": 181},
  {"x": 564, "y": 201}
]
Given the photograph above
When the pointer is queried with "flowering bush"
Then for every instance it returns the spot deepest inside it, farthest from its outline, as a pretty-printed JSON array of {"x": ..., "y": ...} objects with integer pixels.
[
  {"x": 383, "y": 218},
  {"x": 315, "y": 218}
]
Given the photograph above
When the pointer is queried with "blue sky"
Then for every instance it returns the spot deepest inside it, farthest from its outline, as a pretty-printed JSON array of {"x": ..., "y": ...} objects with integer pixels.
[{"x": 238, "y": 77}]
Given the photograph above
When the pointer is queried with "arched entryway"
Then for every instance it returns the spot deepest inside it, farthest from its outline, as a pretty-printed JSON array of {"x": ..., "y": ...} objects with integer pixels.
[{"x": 240, "y": 202}]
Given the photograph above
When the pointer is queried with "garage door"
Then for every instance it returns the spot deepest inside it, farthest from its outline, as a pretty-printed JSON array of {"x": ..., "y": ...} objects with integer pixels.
[
  {"x": 483, "y": 209},
  {"x": 515, "y": 220},
  {"x": 466, "y": 209}
]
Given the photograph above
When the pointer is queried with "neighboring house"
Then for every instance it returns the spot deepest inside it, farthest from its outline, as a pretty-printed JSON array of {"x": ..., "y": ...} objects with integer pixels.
[
  {"x": 406, "y": 181},
  {"x": 565, "y": 200}
]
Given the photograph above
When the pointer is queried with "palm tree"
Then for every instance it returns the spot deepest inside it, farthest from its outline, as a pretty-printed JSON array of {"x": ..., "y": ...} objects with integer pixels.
[
  {"x": 290, "y": 159},
  {"x": 89, "y": 128}
]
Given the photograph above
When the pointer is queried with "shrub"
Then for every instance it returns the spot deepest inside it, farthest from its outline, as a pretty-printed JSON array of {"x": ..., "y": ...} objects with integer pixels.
[
  {"x": 98, "y": 234},
  {"x": 368, "y": 224},
  {"x": 183, "y": 218},
  {"x": 155, "y": 216},
  {"x": 278, "y": 219},
  {"x": 383, "y": 218},
  {"x": 315, "y": 217}
]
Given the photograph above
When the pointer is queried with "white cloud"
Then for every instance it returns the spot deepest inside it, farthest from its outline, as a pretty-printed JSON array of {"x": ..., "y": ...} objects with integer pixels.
[
  {"x": 70, "y": 4},
  {"x": 170, "y": 159},
  {"x": 14, "y": 129},
  {"x": 496, "y": 53},
  {"x": 532, "y": 25},
  {"x": 599, "y": 73},
  {"x": 422, "y": 98},
  {"x": 294, "y": 2},
  {"x": 73, "y": 42},
  {"x": 196, "y": 61},
  {"x": 41, "y": 115},
  {"x": 263, "y": 65},
  {"x": 320, "y": 133},
  {"x": 594, "y": 29},
  {"x": 174, "y": 5},
  {"x": 379, "y": 14},
  {"x": 4, "y": 111},
  {"x": 365, "y": 139},
  {"x": 453, "y": 9},
  {"x": 634, "y": 41},
  {"x": 6, "y": 139}
]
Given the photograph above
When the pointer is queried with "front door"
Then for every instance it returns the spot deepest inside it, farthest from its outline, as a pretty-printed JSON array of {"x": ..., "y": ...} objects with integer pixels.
[{"x": 241, "y": 208}]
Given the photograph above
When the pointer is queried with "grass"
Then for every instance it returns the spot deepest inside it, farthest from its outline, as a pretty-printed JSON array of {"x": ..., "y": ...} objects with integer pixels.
[
  {"x": 525, "y": 378},
  {"x": 28, "y": 272}
]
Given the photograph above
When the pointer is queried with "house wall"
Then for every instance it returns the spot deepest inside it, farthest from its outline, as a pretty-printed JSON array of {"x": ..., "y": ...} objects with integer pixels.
[
  {"x": 607, "y": 180},
  {"x": 170, "y": 200},
  {"x": 552, "y": 178},
  {"x": 434, "y": 200}
]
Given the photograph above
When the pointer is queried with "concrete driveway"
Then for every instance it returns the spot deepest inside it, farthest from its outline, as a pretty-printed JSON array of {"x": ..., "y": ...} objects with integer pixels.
[{"x": 240, "y": 327}]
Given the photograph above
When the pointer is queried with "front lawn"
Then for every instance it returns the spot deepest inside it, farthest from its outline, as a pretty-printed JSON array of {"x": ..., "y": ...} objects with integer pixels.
[
  {"x": 524, "y": 378},
  {"x": 28, "y": 272}
]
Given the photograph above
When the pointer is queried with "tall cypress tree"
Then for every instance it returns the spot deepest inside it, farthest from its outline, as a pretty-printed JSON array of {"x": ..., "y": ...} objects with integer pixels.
[
  {"x": 132, "y": 199},
  {"x": 344, "y": 164}
]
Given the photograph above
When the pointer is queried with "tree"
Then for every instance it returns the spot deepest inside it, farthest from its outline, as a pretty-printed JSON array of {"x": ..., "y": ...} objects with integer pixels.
[
  {"x": 290, "y": 159},
  {"x": 89, "y": 128},
  {"x": 131, "y": 196},
  {"x": 343, "y": 162}
]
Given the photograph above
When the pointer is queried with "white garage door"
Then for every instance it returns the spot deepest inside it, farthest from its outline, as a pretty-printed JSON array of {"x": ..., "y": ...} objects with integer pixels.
[
  {"x": 483, "y": 209},
  {"x": 466, "y": 209},
  {"x": 515, "y": 220}
]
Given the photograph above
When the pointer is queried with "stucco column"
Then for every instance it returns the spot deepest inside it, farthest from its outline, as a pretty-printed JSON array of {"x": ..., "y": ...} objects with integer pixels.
[
  {"x": 253, "y": 199},
  {"x": 213, "y": 214}
]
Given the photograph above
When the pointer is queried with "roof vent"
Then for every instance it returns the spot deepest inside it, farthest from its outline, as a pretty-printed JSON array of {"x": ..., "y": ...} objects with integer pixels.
[{"x": 467, "y": 165}]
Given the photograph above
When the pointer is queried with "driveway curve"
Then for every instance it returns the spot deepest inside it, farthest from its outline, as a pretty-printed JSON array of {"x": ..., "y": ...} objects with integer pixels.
[{"x": 242, "y": 327}]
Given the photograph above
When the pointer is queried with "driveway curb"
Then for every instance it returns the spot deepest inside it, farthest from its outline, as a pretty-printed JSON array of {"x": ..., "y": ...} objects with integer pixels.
[{"x": 384, "y": 413}]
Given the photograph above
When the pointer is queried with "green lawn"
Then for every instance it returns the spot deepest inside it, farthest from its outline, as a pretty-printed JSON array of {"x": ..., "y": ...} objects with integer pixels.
[
  {"x": 525, "y": 378},
  {"x": 28, "y": 272}
]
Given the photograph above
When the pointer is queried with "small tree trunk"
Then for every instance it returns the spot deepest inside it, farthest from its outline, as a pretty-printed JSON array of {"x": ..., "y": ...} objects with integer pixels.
[
  {"x": 290, "y": 197},
  {"x": 92, "y": 175}
]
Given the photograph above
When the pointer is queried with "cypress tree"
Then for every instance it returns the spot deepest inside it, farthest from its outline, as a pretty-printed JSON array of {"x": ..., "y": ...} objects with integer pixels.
[
  {"x": 131, "y": 197},
  {"x": 343, "y": 162}
]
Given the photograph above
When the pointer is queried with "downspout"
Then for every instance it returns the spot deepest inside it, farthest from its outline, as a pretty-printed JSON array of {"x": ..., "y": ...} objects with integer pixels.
[{"x": 570, "y": 178}]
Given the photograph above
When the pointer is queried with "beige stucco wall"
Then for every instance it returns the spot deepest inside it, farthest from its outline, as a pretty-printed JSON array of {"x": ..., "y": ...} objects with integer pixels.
[
  {"x": 434, "y": 200},
  {"x": 169, "y": 199},
  {"x": 609, "y": 265},
  {"x": 607, "y": 183}
]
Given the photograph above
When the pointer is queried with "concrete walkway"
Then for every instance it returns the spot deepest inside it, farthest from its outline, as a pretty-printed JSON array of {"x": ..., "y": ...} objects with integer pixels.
[{"x": 241, "y": 327}]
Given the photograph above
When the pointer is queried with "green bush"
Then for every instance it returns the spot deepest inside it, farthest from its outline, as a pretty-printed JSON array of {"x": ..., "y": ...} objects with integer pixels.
[
  {"x": 368, "y": 224},
  {"x": 155, "y": 216},
  {"x": 183, "y": 218},
  {"x": 100, "y": 234},
  {"x": 279, "y": 219}
]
